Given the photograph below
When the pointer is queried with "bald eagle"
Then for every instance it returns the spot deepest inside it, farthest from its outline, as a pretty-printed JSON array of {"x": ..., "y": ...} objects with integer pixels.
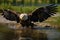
[{"x": 40, "y": 14}]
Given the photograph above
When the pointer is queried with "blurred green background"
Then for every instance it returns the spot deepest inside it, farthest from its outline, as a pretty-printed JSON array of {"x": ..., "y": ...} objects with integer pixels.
[{"x": 28, "y": 6}]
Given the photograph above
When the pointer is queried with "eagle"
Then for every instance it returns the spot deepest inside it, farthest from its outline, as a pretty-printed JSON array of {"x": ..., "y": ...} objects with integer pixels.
[{"x": 38, "y": 15}]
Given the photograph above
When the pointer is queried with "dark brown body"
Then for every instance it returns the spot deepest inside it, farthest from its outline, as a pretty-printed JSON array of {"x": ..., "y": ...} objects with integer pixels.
[{"x": 26, "y": 23}]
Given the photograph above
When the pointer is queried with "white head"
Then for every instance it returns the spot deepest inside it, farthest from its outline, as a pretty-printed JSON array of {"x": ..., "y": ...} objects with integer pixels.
[{"x": 23, "y": 16}]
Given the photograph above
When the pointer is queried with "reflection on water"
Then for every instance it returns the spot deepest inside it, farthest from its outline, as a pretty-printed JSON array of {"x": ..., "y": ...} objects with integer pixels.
[
  {"x": 38, "y": 33},
  {"x": 53, "y": 34}
]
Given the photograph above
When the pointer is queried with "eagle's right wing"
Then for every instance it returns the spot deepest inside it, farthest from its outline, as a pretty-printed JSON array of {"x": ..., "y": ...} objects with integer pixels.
[{"x": 10, "y": 15}]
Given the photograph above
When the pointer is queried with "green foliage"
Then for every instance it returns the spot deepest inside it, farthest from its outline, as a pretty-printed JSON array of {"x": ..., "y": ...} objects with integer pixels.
[
  {"x": 55, "y": 21},
  {"x": 52, "y": 1},
  {"x": 20, "y": 9},
  {"x": 58, "y": 9},
  {"x": 29, "y": 2},
  {"x": 58, "y": 1}
]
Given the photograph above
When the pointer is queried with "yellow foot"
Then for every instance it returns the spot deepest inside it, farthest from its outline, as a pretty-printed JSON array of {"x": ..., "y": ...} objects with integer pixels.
[{"x": 18, "y": 26}]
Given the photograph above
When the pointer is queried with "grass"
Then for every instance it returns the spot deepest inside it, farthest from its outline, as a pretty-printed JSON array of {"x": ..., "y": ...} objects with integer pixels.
[
  {"x": 54, "y": 22},
  {"x": 58, "y": 9},
  {"x": 26, "y": 9},
  {"x": 20, "y": 9}
]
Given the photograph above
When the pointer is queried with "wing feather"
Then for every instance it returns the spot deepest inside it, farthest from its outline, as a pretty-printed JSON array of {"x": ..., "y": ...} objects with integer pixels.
[
  {"x": 11, "y": 15},
  {"x": 43, "y": 13}
]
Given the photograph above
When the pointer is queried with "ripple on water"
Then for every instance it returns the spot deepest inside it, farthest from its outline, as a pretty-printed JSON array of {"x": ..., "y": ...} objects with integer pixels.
[{"x": 51, "y": 32}]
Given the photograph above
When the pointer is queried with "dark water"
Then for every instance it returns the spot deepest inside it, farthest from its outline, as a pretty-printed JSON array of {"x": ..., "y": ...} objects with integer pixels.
[
  {"x": 38, "y": 33},
  {"x": 50, "y": 33}
]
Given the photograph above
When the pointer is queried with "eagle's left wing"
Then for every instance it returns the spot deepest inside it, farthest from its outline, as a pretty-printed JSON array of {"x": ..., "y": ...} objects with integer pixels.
[{"x": 42, "y": 13}]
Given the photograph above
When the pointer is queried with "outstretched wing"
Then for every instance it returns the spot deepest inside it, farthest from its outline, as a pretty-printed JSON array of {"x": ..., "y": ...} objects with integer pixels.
[
  {"x": 10, "y": 15},
  {"x": 41, "y": 14}
]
